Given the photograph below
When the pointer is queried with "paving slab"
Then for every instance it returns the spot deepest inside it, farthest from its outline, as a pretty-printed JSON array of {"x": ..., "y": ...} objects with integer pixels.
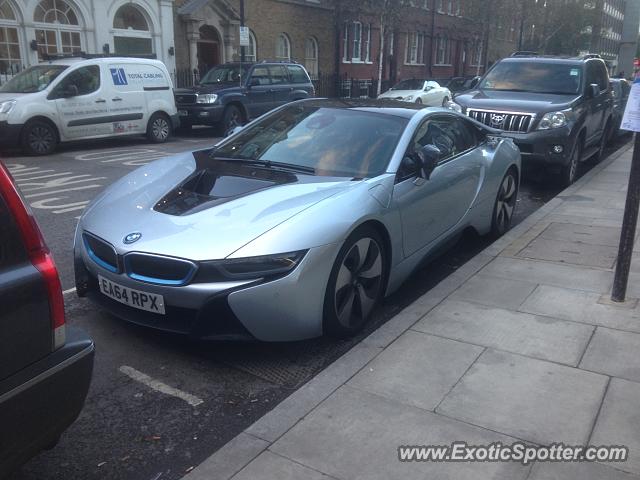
[
  {"x": 494, "y": 291},
  {"x": 417, "y": 369},
  {"x": 569, "y": 276},
  {"x": 615, "y": 353},
  {"x": 533, "y": 400},
  {"x": 619, "y": 422},
  {"x": 570, "y": 252},
  {"x": 591, "y": 212},
  {"x": 269, "y": 466},
  {"x": 591, "y": 235},
  {"x": 580, "y": 306},
  {"x": 579, "y": 471},
  {"x": 535, "y": 336},
  {"x": 355, "y": 435}
]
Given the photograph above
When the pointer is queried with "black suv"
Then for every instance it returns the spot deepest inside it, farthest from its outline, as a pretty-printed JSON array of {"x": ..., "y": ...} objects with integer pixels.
[
  {"x": 45, "y": 365},
  {"x": 557, "y": 110},
  {"x": 232, "y": 94}
]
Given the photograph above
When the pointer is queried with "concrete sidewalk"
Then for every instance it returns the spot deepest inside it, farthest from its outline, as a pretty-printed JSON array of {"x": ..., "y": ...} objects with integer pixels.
[{"x": 520, "y": 343}]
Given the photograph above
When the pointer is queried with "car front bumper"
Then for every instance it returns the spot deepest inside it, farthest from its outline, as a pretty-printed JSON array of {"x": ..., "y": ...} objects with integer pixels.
[
  {"x": 10, "y": 134},
  {"x": 203, "y": 114},
  {"x": 288, "y": 308},
  {"x": 537, "y": 147},
  {"x": 38, "y": 403}
]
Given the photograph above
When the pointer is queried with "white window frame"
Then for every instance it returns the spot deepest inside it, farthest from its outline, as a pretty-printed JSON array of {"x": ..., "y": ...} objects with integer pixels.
[
  {"x": 253, "y": 45},
  {"x": 131, "y": 33},
  {"x": 414, "y": 54},
  {"x": 443, "y": 45},
  {"x": 8, "y": 23},
  {"x": 356, "y": 42},
  {"x": 356, "y": 52},
  {"x": 286, "y": 43},
  {"x": 311, "y": 62}
]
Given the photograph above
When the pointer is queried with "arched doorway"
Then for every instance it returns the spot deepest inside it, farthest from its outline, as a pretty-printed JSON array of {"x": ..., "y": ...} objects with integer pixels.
[{"x": 208, "y": 49}]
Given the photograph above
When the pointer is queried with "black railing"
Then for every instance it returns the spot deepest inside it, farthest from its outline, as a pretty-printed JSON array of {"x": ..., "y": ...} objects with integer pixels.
[
  {"x": 185, "y": 77},
  {"x": 343, "y": 86}
]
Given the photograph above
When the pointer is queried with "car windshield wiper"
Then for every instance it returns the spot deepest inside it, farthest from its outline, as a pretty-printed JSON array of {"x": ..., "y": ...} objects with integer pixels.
[{"x": 269, "y": 164}]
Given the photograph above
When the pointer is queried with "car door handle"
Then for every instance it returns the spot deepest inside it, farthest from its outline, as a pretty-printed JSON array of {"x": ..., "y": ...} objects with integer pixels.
[
  {"x": 117, "y": 99},
  {"x": 101, "y": 100}
]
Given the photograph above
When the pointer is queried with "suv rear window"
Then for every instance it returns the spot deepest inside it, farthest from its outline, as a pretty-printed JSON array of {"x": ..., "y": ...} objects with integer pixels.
[
  {"x": 535, "y": 77},
  {"x": 297, "y": 74}
]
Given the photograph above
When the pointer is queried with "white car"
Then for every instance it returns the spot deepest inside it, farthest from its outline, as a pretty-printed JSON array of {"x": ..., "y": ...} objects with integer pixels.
[
  {"x": 78, "y": 98},
  {"x": 415, "y": 90}
]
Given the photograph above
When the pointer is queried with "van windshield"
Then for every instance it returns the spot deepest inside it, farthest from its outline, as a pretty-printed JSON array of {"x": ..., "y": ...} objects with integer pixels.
[{"x": 33, "y": 79}]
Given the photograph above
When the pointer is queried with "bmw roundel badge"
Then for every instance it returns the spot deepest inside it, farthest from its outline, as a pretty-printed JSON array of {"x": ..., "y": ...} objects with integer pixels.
[{"x": 132, "y": 237}]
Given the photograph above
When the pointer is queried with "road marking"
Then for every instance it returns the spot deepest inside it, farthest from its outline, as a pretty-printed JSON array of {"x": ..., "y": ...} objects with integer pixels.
[
  {"x": 71, "y": 290},
  {"x": 159, "y": 386}
]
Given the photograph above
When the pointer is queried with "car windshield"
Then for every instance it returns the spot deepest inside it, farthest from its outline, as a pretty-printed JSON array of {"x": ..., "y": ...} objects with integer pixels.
[
  {"x": 33, "y": 79},
  {"x": 413, "y": 84},
  {"x": 331, "y": 141},
  {"x": 225, "y": 74},
  {"x": 535, "y": 77}
]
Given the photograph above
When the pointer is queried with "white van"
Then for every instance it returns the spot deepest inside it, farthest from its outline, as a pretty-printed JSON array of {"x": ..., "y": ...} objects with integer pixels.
[{"x": 83, "y": 98}]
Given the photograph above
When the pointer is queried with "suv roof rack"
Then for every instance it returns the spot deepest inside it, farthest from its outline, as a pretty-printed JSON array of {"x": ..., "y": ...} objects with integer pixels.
[
  {"x": 524, "y": 53},
  {"x": 279, "y": 61},
  {"x": 590, "y": 55},
  {"x": 84, "y": 55}
]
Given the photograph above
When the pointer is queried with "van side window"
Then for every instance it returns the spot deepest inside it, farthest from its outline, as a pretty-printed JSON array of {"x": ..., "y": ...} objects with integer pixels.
[{"x": 86, "y": 80}]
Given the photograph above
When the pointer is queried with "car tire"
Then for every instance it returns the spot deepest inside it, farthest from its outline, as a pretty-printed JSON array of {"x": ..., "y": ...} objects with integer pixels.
[
  {"x": 604, "y": 141},
  {"x": 39, "y": 138},
  {"x": 159, "y": 128},
  {"x": 445, "y": 100},
  {"x": 569, "y": 172},
  {"x": 355, "y": 285},
  {"x": 505, "y": 204},
  {"x": 231, "y": 118}
]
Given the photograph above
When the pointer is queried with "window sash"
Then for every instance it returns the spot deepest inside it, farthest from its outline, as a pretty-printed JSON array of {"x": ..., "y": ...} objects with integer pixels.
[{"x": 357, "y": 41}]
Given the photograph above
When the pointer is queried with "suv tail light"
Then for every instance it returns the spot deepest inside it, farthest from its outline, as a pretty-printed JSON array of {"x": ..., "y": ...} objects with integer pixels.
[{"x": 38, "y": 252}]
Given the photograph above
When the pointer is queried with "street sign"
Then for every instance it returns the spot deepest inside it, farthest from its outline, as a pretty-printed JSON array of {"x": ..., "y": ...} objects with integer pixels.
[
  {"x": 244, "y": 37},
  {"x": 631, "y": 117}
]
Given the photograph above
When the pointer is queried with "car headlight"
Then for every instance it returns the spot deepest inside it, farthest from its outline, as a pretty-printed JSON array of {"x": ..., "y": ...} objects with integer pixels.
[
  {"x": 249, "y": 268},
  {"x": 409, "y": 98},
  {"x": 207, "y": 98},
  {"x": 554, "y": 120},
  {"x": 453, "y": 106},
  {"x": 5, "y": 107}
]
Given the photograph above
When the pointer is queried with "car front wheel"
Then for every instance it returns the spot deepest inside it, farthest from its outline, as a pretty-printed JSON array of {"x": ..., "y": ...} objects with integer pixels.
[
  {"x": 505, "y": 205},
  {"x": 356, "y": 283},
  {"x": 39, "y": 138},
  {"x": 159, "y": 128},
  {"x": 570, "y": 171}
]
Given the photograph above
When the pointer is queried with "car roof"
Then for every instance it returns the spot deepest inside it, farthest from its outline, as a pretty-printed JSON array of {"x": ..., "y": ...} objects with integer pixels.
[
  {"x": 70, "y": 61},
  {"x": 382, "y": 106},
  {"x": 559, "y": 60}
]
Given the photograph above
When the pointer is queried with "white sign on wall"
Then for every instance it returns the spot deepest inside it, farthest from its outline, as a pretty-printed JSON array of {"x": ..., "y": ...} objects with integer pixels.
[
  {"x": 631, "y": 117},
  {"x": 244, "y": 37}
]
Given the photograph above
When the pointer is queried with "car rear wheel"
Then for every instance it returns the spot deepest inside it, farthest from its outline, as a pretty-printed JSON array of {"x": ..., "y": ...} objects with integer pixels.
[
  {"x": 604, "y": 141},
  {"x": 356, "y": 283},
  {"x": 570, "y": 171},
  {"x": 505, "y": 205},
  {"x": 159, "y": 128},
  {"x": 39, "y": 138}
]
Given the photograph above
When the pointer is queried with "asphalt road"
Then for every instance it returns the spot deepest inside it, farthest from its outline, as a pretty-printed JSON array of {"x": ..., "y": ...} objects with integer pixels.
[{"x": 130, "y": 431}]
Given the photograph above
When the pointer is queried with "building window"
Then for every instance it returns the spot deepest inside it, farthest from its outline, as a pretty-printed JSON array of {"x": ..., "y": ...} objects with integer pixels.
[
  {"x": 10, "y": 59},
  {"x": 311, "y": 56},
  {"x": 357, "y": 42},
  {"x": 476, "y": 54},
  {"x": 443, "y": 51},
  {"x": 60, "y": 28},
  {"x": 132, "y": 35},
  {"x": 251, "y": 52},
  {"x": 415, "y": 48},
  {"x": 283, "y": 47},
  {"x": 440, "y": 6}
]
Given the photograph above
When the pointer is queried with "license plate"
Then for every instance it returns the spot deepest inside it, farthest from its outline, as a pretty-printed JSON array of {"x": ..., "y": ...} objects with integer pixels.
[
  {"x": 183, "y": 113},
  {"x": 149, "y": 302}
]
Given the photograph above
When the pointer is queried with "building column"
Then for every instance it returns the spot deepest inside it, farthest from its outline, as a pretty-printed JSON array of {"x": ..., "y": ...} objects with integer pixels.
[{"x": 193, "y": 35}]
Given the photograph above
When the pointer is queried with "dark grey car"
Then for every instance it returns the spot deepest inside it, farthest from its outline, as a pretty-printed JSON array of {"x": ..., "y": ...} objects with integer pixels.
[
  {"x": 232, "y": 94},
  {"x": 45, "y": 366}
]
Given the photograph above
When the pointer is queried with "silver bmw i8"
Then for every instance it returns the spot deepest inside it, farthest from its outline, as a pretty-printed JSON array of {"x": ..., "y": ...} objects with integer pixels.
[{"x": 298, "y": 224}]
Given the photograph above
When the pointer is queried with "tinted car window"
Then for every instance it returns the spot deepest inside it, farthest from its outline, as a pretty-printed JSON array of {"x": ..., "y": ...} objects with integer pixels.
[
  {"x": 448, "y": 134},
  {"x": 467, "y": 137},
  {"x": 86, "y": 80},
  {"x": 333, "y": 141},
  {"x": 297, "y": 74},
  {"x": 601, "y": 75},
  {"x": 278, "y": 74},
  {"x": 413, "y": 84},
  {"x": 260, "y": 76},
  {"x": 224, "y": 74},
  {"x": 538, "y": 77}
]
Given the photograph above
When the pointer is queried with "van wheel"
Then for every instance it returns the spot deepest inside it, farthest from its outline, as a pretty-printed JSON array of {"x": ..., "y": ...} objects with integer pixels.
[
  {"x": 39, "y": 138},
  {"x": 159, "y": 128}
]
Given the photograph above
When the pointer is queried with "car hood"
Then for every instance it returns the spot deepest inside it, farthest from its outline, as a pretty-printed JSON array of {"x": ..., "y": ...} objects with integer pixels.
[
  {"x": 398, "y": 93},
  {"x": 515, "y": 101},
  {"x": 248, "y": 201},
  {"x": 12, "y": 96}
]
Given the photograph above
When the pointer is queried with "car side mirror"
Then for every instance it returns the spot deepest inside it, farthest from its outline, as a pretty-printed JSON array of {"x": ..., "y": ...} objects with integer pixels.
[
  {"x": 427, "y": 159},
  {"x": 474, "y": 82},
  {"x": 594, "y": 90},
  {"x": 70, "y": 91}
]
